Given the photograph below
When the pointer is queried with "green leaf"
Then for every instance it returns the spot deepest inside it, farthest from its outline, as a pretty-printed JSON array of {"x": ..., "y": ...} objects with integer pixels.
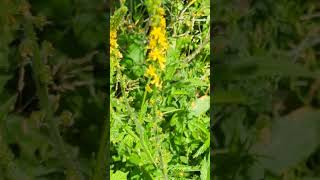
[
  {"x": 136, "y": 53},
  {"x": 290, "y": 140},
  {"x": 205, "y": 168},
  {"x": 202, "y": 149},
  {"x": 200, "y": 106},
  {"x": 118, "y": 175}
]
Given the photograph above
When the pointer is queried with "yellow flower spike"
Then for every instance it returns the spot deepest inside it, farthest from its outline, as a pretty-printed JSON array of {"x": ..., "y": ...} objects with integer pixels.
[
  {"x": 158, "y": 46},
  {"x": 114, "y": 51}
]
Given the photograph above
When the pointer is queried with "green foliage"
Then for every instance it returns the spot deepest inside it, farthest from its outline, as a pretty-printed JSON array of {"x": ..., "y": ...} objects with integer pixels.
[
  {"x": 52, "y": 88},
  {"x": 164, "y": 133},
  {"x": 266, "y": 119}
]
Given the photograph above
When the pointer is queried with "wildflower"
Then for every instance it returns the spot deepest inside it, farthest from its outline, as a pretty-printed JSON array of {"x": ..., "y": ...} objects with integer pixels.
[
  {"x": 158, "y": 46},
  {"x": 114, "y": 51},
  {"x": 155, "y": 54},
  {"x": 156, "y": 82},
  {"x": 113, "y": 39},
  {"x": 162, "y": 62},
  {"x": 151, "y": 71},
  {"x": 156, "y": 32}
]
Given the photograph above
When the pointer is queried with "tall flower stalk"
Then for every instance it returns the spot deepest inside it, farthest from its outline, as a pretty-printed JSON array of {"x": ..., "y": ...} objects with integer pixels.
[{"x": 158, "y": 44}]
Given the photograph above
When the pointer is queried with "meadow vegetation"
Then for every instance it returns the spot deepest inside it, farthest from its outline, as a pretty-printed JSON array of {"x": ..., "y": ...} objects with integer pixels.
[
  {"x": 160, "y": 89},
  {"x": 52, "y": 88},
  {"x": 266, "y": 90}
]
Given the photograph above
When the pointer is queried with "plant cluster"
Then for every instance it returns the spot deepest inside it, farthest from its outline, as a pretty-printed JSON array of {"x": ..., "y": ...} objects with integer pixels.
[
  {"x": 160, "y": 90},
  {"x": 51, "y": 88}
]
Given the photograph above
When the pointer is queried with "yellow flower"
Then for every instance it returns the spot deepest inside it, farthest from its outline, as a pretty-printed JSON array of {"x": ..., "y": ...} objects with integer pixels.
[
  {"x": 155, "y": 54},
  {"x": 151, "y": 71},
  {"x": 113, "y": 38},
  {"x": 163, "y": 44},
  {"x": 152, "y": 44},
  {"x": 163, "y": 23},
  {"x": 162, "y": 62},
  {"x": 114, "y": 51},
  {"x": 156, "y": 32},
  {"x": 156, "y": 82}
]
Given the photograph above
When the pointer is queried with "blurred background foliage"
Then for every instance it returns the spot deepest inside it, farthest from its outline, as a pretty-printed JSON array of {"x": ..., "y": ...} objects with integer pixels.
[
  {"x": 266, "y": 97},
  {"x": 59, "y": 46}
]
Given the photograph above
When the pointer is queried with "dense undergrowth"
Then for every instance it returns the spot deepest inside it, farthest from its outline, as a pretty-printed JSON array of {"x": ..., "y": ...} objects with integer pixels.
[
  {"x": 266, "y": 97},
  {"x": 52, "y": 88},
  {"x": 160, "y": 89}
]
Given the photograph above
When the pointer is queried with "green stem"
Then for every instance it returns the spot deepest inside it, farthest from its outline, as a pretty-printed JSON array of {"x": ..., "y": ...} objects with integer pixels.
[
  {"x": 102, "y": 163},
  {"x": 139, "y": 127},
  {"x": 143, "y": 103},
  {"x": 164, "y": 169}
]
